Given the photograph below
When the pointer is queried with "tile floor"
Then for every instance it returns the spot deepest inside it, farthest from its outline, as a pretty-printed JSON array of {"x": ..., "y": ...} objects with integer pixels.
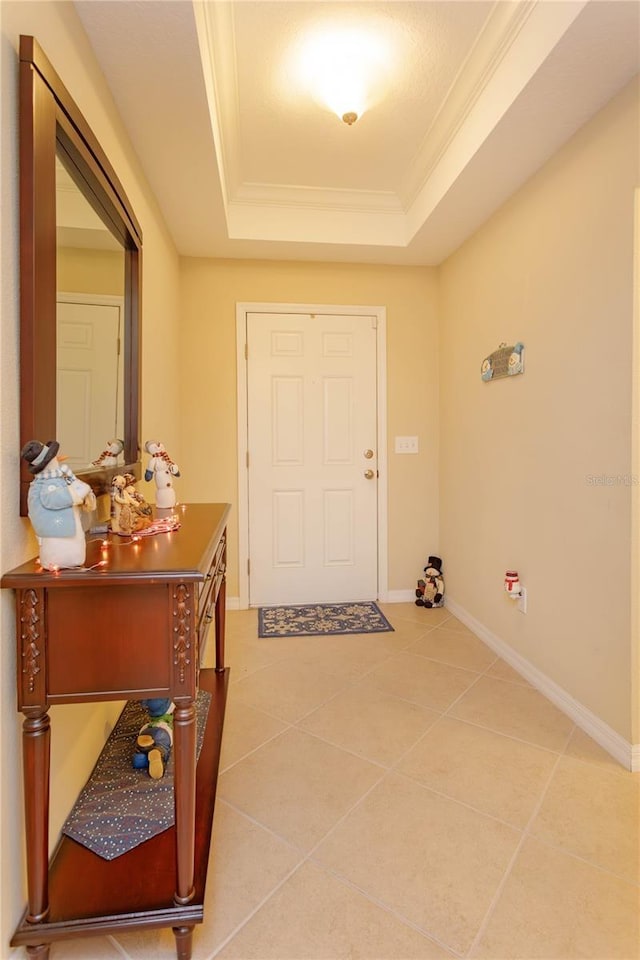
[{"x": 403, "y": 796}]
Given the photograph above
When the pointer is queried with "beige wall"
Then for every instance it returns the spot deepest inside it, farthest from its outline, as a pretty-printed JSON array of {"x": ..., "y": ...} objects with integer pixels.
[
  {"x": 78, "y": 731},
  {"x": 535, "y": 471},
  {"x": 210, "y": 291},
  {"x": 90, "y": 271}
]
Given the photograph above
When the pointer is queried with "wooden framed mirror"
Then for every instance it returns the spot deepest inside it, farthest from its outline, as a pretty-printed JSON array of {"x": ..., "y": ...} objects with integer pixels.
[{"x": 70, "y": 400}]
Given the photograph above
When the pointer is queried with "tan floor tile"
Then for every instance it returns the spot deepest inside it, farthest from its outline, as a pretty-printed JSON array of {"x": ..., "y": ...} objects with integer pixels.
[
  {"x": 332, "y": 922},
  {"x": 555, "y": 907},
  {"x": 594, "y": 814},
  {"x": 288, "y": 648},
  {"x": 502, "y": 670},
  {"x": 425, "y": 682},
  {"x": 452, "y": 623},
  {"x": 370, "y": 723},
  {"x": 406, "y": 632},
  {"x": 150, "y": 945},
  {"x": 244, "y": 730},
  {"x": 247, "y": 863},
  {"x": 243, "y": 623},
  {"x": 356, "y": 650},
  {"x": 87, "y": 948},
  {"x": 242, "y": 657},
  {"x": 352, "y": 656},
  {"x": 515, "y": 710},
  {"x": 248, "y": 615},
  {"x": 298, "y": 786},
  {"x": 427, "y": 618},
  {"x": 455, "y": 648},
  {"x": 427, "y": 857},
  {"x": 432, "y": 860},
  {"x": 287, "y": 689},
  {"x": 582, "y": 747},
  {"x": 495, "y": 774}
]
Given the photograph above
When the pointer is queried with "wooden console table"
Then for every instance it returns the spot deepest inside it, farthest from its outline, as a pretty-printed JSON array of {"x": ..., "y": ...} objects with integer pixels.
[{"x": 131, "y": 629}]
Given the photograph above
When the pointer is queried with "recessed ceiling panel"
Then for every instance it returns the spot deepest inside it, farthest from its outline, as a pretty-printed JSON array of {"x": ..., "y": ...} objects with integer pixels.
[{"x": 288, "y": 54}]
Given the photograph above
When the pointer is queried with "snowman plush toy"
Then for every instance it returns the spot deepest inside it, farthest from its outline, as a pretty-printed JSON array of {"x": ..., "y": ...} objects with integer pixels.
[
  {"x": 155, "y": 738},
  {"x": 430, "y": 591},
  {"x": 55, "y": 502}
]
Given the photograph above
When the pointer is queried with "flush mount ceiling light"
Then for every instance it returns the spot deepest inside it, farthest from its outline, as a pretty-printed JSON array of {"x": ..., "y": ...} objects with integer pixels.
[{"x": 342, "y": 67}]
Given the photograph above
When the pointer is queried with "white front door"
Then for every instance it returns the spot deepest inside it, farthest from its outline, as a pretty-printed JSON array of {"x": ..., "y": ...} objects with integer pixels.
[
  {"x": 312, "y": 473},
  {"x": 89, "y": 375}
]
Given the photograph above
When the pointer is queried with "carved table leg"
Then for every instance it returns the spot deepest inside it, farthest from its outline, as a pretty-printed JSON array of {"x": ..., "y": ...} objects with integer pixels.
[
  {"x": 41, "y": 952},
  {"x": 184, "y": 737},
  {"x": 36, "y": 742},
  {"x": 220, "y": 625},
  {"x": 184, "y": 937},
  {"x": 36, "y": 747}
]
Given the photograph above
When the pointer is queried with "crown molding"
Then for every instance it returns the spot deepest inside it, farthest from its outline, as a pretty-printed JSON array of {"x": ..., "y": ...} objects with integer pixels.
[
  {"x": 496, "y": 38},
  {"x": 216, "y": 41},
  {"x": 300, "y": 223},
  {"x": 521, "y": 45},
  {"x": 351, "y": 201}
]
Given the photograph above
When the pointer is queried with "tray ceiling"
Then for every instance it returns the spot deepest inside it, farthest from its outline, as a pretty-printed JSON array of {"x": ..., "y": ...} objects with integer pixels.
[{"x": 463, "y": 102}]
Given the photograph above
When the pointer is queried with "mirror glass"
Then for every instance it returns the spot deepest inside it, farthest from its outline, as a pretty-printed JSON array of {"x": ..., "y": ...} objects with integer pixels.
[{"x": 90, "y": 276}]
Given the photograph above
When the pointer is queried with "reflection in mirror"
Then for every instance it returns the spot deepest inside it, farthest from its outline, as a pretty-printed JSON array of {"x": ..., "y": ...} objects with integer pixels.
[{"x": 90, "y": 269}]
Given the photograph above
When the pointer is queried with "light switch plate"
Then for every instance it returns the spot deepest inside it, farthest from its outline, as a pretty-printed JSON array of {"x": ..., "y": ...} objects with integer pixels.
[{"x": 406, "y": 445}]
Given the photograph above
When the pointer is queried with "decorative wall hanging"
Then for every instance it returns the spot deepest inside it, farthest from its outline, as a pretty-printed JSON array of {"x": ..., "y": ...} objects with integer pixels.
[{"x": 506, "y": 361}]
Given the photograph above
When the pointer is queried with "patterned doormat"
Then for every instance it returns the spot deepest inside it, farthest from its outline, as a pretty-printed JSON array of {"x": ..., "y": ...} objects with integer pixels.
[
  {"x": 120, "y": 807},
  {"x": 321, "y": 619}
]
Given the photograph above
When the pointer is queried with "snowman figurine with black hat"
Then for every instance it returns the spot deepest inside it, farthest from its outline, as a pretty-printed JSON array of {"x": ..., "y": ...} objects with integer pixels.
[
  {"x": 430, "y": 591},
  {"x": 56, "y": 498}
]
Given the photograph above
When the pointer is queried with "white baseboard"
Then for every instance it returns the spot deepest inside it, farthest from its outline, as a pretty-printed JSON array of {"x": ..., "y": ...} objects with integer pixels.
[
  {"x": 399, "y": 596},
  {"x": 624, "y": 752},
  {"x": 232, "y": 603}
]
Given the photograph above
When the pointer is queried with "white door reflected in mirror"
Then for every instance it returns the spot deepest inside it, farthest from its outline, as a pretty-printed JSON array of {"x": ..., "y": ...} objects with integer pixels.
[
  {"x": 90, "y": 327},
  {"x": 89, "y": 401}
]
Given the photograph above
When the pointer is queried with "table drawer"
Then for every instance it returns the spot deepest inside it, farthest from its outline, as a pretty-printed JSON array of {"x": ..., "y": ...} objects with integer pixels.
[
  {"x": 211, "y": 585},
  {"x": 100, "y": 644}
]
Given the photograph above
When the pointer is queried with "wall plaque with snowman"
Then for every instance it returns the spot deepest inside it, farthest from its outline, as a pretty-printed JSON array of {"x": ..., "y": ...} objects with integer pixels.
[{"x": 506, "y": 361}]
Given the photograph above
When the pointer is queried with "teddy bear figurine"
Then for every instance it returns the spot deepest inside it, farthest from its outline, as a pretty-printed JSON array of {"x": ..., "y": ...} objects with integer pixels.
[
  {"x": 430, "y": 591},
  {"x": 55, "y": 501},
  {"x": 155, "y": 738},
  {"x": 130, "y": 512},
  {"x": 142, "y": 507}
]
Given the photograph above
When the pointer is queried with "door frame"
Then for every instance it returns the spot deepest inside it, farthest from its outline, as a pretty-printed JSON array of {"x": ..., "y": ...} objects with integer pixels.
[{"x": 380, "y": 314}]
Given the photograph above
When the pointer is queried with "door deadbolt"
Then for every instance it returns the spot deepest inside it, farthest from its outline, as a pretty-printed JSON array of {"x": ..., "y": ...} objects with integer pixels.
[{"x": 368, "y": 454}]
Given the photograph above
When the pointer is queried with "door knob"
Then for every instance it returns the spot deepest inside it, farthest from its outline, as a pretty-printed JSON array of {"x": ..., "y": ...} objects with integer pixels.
[{"x": 369, "y": 474}]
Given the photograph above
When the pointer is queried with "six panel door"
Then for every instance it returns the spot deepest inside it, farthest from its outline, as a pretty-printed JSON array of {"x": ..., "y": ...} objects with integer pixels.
[{"x": 312, "y": 461}]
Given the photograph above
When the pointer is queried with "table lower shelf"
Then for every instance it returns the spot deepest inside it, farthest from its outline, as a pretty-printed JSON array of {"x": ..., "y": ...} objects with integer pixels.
[{"x": 90, "y": 896}]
